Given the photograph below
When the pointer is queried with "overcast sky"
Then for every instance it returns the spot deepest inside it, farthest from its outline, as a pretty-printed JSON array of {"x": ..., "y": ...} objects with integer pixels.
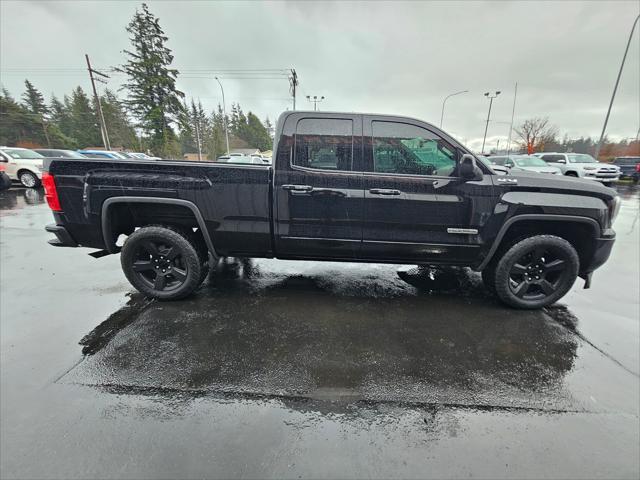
[{"x": 401, "y": 58}]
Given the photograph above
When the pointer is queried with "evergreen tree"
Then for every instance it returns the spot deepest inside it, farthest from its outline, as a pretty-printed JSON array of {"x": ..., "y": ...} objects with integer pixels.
[
  {"x": 33, "y": 100},
  {"x": 256, "y": 134},
  {"x": 152, "y": 93},
  {"x": 121, "y": 132},
  {"x": 83, "y": 122}
]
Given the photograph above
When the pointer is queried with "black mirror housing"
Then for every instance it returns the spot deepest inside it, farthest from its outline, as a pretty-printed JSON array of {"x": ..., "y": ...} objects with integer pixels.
[{"x": 469, "y": 170}]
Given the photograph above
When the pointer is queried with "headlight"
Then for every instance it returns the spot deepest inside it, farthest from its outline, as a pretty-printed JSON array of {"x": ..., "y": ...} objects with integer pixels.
[{"x": 614, "y": 208}]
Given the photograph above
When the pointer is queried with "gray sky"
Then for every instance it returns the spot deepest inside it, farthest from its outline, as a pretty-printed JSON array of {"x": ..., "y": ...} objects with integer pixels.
[{"x": 384, "y": 57}]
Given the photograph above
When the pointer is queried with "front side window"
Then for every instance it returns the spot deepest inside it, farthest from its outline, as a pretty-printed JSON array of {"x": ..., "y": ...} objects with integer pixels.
[
  {"x": 401, "y": 148},
  {"x": 324, "y": 143},
  {"x": 24, "y": 154},
  {"x": 581, "y": 158}
]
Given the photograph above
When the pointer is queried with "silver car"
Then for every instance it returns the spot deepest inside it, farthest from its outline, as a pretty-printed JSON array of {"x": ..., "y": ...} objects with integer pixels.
[{"x": 529, "y": 163}]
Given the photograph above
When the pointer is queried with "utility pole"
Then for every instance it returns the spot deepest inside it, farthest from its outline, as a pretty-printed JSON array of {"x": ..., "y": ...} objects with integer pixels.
[
  {"x": 513, "y": 112},
  {"x": 490, "y": 97},
  {"x": 198, "y": 142},
  {"x": 103, "y": 126},
  {"x": 315, "y": 100},
  {"x": 224, "y": 113},
  {"x": 615, "y": 88},
  {"x": 293, "y": 83}
]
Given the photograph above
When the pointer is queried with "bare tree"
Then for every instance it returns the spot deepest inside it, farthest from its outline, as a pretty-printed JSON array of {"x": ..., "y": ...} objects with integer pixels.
[{"x": 536, "y": 132}]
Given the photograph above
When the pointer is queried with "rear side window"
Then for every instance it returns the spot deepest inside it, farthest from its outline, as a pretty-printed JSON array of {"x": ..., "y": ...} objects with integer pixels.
[
  {"x": 552, "y": 158},
  {"x": 402, "y": 148},
  {"x": 324, "y": 143}
]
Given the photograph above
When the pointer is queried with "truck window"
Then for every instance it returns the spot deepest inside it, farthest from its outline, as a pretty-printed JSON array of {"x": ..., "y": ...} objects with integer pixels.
[
  {"x": 324, "y": 143},
  {"x": 408, "y": 149}
]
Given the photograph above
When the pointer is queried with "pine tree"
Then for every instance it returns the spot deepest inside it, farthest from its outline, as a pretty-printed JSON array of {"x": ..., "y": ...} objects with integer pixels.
[
  {"x": 83, "y": 123},
  {"x": 152, "y": 93},
  {"x": 33, "y": 100},
  {"x": 121, "y": 132}
]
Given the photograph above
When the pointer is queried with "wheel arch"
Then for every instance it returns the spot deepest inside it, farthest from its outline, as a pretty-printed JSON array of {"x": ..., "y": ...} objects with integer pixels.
[
  {"x": 110, "y": 203},
  {"x": 560, "y": 225}
]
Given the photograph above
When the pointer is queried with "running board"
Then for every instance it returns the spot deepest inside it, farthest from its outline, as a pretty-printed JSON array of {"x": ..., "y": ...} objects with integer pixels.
[{"x": 103, "y": 253}]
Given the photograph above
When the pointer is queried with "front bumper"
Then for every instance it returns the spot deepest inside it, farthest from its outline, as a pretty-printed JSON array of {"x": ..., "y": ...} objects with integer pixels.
[
  {"x": 63, "y": 237},
  {"x": 600, "y": 177}
]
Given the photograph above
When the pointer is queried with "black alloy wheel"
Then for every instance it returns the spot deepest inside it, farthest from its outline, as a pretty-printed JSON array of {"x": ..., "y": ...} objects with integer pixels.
[
  {"x": 536, "y": 271},
  {"x": 537, "y": 274},
  {"x": 160, "y": 265}
]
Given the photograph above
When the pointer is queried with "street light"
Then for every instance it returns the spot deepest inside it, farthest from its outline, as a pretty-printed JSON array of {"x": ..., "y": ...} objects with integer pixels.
[
  {"x": 615, "y": 88},
  {"x": 490, "y": 96},
  {"x": 224, "y": 113},
  {"x": 445, "y": 100},
  {"x": 315, "y": 101}
]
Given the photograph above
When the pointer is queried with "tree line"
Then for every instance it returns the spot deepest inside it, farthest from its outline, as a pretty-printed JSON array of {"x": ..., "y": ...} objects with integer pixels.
[
  {"x": 539, "y": 135},
  {"x": 154, "y": 116}
]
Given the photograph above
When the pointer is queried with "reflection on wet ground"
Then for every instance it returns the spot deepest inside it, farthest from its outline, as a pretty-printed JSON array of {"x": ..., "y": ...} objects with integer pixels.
[
  {"x": 18, "y": 198},
  {"x": 338, "y": 335}
]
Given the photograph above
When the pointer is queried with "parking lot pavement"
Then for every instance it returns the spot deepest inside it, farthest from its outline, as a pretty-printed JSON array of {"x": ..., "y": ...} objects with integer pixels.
[{"x": 306, "y": 369}]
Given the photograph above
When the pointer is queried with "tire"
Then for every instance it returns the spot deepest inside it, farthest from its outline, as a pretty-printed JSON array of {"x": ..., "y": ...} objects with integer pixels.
[
  {"x": 152, "y": 257},
  {"x": 28, "y": 179},
  {"x": 536, "y": 272}
]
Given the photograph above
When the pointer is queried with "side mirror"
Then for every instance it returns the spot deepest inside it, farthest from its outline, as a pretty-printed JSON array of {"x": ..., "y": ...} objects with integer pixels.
[{"x": 468, "y": 168}]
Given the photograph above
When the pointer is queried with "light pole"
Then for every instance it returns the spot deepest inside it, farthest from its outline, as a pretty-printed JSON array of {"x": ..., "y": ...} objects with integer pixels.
[
  {"x": 445, "y": 100},
  {"x": 615, "y": 88},
  {"x": 490, "y": 96},
  {"x": 224, "y": 113},
  {"x": 315, "y": 101}
]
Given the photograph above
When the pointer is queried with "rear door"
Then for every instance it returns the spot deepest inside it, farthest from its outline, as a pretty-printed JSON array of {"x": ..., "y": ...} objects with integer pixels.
[{"x": 318, "y": 187}]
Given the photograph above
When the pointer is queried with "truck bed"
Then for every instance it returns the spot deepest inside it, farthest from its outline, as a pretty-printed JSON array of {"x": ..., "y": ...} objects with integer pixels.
[{"x": 234, "y": 200}]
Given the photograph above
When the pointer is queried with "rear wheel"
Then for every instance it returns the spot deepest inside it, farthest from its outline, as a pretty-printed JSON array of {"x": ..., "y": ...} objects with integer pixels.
[
  {"x": 28, "y": 179},
  {"x": 161, "y": 262},
  {"x": 536, "y": 272}
]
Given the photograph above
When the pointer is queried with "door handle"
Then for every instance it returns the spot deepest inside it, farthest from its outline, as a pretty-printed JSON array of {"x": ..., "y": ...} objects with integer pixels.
[
  {"x": 298, "y": 188},
  {"x": 385, "y": 191}
]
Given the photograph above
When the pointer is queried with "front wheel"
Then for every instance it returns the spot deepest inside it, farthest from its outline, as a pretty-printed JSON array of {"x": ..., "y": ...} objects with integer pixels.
[
  {"x": 161, "y": 262},
  {"x": 29, "y": 179},
  {"x": 536, "y": 272}
]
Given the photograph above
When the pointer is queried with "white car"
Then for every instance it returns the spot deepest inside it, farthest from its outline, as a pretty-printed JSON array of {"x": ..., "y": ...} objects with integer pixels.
[
  {"x": 22, "y": 164},
  {"x": 581, "y": 165},
  {"x": 524, "y": 162}
]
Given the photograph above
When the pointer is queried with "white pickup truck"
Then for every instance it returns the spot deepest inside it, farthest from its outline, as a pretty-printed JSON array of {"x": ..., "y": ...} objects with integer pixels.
[{"x": 581, "y": 165}]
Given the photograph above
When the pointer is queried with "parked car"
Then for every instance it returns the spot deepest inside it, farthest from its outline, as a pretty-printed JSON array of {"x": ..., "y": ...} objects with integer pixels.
[
  {"x": 529, "y": 163},
  {"x": 102, "y": 154},
  {"x": 629, "y": 167},
  {"x": 416, "y": 196},
  {"x": 5, "y": 181},
  {"x": 240, "y": 158},
  {"x": 56, "y": 153},
  {"x": 581, "y": 165},
  {"x": 23, "y": 165}
]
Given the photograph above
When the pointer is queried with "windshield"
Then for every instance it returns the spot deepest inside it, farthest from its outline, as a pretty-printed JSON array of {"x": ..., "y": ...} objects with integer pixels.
[
  {"x": 581, "y": 158},
  {"x": 23, "y": 154},
  {"x": 529, "y": 162}
]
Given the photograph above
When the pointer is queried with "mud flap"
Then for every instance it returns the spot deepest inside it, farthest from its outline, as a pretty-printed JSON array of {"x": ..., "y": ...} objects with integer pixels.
[{"x": 587, "y": 280}]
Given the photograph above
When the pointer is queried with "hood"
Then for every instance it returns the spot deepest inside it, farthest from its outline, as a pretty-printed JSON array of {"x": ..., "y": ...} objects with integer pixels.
[
  {"x": 541, "y": 169},
  {"x": 536, "y": 182}
]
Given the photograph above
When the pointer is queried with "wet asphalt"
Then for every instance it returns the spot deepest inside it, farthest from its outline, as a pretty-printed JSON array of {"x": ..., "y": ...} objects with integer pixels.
[{"x": 308, "y": 369}]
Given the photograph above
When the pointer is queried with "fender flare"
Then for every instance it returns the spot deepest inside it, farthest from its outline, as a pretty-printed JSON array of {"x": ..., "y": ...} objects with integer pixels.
[
  {"x": 534, "y": 216},
  {"x": 106, "y": 220}
]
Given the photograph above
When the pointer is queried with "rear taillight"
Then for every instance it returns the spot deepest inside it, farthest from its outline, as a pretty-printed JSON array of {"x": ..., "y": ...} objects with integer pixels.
[
  {"x": 3, "y": 167},
  {"x": 638, "y": 167},
  {"x": 50, "y": 192}
]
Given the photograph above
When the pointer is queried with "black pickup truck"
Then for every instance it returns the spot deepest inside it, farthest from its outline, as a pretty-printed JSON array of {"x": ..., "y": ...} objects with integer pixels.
[{"x": 343, "y": 187}]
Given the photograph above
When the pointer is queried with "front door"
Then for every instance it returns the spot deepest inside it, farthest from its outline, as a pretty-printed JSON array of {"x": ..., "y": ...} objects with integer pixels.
[
  {"x": 318, "y": 189},
  {"x": 416, "y": 209}
]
